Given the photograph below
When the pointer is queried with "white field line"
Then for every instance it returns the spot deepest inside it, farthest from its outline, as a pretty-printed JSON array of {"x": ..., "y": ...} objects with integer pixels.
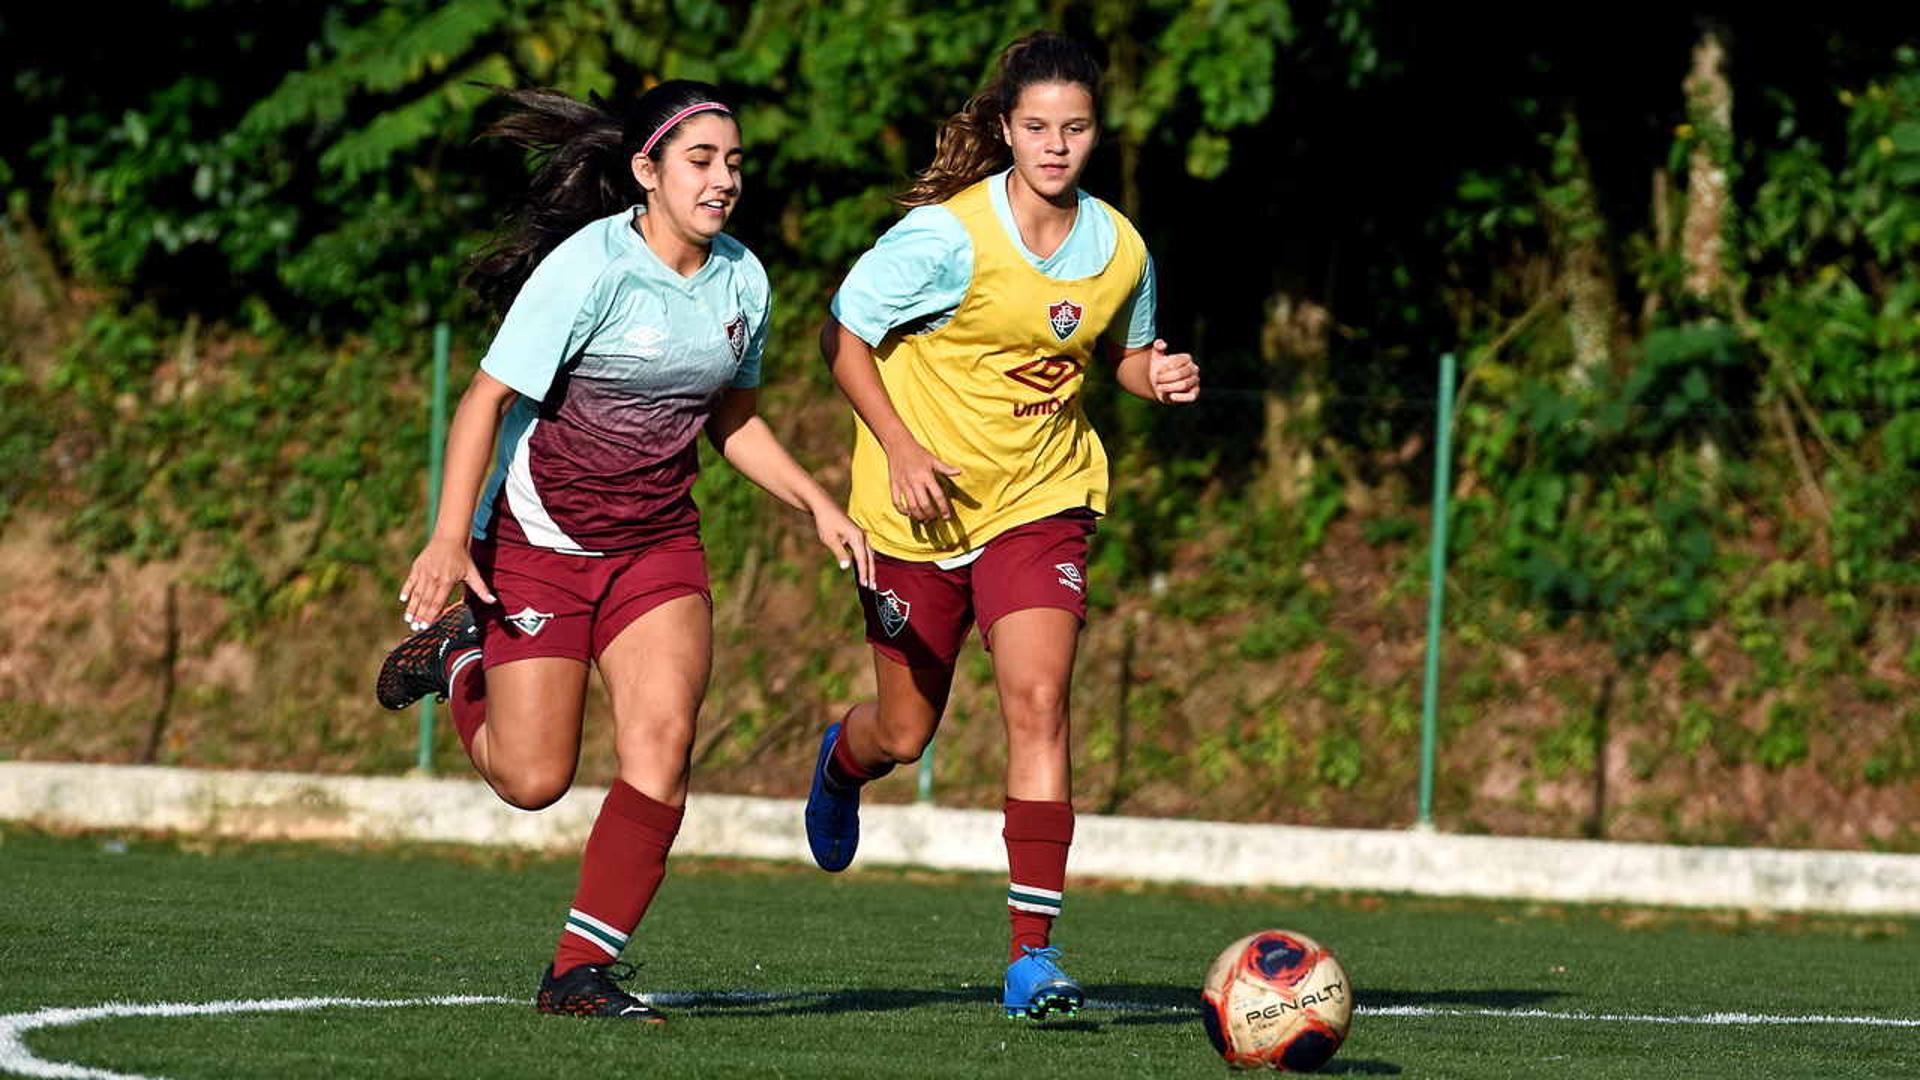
[
  {"x": 17, "y": 1060},
  {"x": 1717, "y": 1019}
]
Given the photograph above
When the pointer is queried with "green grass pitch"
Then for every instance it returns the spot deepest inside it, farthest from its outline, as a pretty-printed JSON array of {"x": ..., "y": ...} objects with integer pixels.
[{"x": 886, "y": 973}]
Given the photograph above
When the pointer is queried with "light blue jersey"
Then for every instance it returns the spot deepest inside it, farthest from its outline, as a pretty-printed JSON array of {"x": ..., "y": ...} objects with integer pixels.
[
  {"x": 618, "y": 361},
  {"x": 918, "y": 272}
]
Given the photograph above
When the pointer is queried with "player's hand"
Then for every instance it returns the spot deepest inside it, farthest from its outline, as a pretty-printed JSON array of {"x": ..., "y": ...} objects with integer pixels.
[
  {"x": 846, "y": 540},
  {"x": 1174, "y": 377},
  {"x": 915, "y": 475},
  {"x": 441, "y": 566}
]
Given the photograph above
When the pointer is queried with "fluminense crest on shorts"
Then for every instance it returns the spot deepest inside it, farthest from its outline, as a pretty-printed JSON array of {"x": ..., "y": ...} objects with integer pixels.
[
  {"x": 1064, "y": 317},
  {"x": 529, "y": 621},
  {"x": 737, "y": 336},
  {"x": 893, "y": 612}
]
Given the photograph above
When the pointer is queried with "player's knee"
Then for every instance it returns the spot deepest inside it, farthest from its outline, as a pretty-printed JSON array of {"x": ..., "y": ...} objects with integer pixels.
[
  {"x": 1035, "y": 713},
  {"x": 1037, "y": 709},
  {"x": 656, "y": 738},
  {"x": 532, "y": 788},
  {"x": 903, "y": 749}
]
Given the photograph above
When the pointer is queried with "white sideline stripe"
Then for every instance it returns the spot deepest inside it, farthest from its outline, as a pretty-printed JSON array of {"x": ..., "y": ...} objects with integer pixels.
[
  {"x": 1717, "y": 1019},
  {"x": 17, "y": 1060},
  {"x": 359, "y": 809}
]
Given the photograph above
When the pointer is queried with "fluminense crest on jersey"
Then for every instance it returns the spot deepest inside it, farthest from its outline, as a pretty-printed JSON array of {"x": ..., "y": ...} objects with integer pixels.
[
  {"x": 1064, "y": 317},
  {"x": 893, "y": 612},
  {"x": 737, "y": 335},
  {"x": 529, "y": 621}
]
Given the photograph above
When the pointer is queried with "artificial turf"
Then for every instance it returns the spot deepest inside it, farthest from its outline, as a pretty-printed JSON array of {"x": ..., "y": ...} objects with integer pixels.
[{"x": 885, "y": 973}]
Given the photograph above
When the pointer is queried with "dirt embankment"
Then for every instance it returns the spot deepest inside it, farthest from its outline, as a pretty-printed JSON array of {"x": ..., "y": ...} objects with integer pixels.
[{"x": 1542, "y": 733}]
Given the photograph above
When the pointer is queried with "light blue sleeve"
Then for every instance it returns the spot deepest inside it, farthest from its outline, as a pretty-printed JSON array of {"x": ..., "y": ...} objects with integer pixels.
[
  {"x": 551, "y": 319},
  {"x": 759, "y": 308},
  {"x": 921, "y": 267},
  {"x": 1137, "y": 314}
]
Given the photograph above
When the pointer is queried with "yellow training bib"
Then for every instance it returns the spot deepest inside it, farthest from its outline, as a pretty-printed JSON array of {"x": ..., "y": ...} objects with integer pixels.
[{"x": 995, "y": 392}]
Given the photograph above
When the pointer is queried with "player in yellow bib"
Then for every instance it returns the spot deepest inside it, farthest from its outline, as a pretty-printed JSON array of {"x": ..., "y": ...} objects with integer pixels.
[{"x": 963, "y": 340}]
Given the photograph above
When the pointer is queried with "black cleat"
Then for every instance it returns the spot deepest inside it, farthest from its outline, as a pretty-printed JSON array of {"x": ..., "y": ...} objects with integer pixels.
[
  {"x": 589, "y": 990},
  {"x": 417, "y": 666}
]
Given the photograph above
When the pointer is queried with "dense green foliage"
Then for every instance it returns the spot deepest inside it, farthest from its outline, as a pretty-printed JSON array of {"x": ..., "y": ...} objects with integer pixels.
[{"x": 276, "y": 204}]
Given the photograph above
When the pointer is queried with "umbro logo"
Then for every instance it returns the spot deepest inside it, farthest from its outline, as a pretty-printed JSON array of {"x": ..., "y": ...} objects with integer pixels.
[
  {"x": 1071, "y": 578},
  {"x": 529, "y": 621},
  {"x": 643, "y": 337},
  {"x": 1046, "y": 375}
]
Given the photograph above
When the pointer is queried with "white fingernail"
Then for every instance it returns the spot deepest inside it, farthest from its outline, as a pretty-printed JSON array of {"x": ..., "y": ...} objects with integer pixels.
[{"x": 844, "y": 564}]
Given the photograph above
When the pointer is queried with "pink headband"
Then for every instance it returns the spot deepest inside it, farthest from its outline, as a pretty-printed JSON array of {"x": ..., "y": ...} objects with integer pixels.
[{"x": 704, "y": 106}]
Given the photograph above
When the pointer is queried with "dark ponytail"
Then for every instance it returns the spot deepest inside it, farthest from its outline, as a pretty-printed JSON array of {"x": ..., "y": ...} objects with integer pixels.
[
  {"x": 969, "y": 147},
  {"x": 584, "y": 151}
]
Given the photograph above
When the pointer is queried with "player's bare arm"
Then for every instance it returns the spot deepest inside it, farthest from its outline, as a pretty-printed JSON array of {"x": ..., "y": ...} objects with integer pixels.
[
  {"x": 444, "y": 563},
  {"x": 914, "y": 472},
  {"x": 1153, "y": 373},
  {"x": 738, "y": 432}
]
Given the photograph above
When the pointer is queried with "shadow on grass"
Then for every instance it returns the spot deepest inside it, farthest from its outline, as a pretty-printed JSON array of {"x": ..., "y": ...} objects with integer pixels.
[
  {"x": 1107, "y": 1003},
  {"x": 1360, "y": 1067},
  {"x": 826, "y": 1002}
]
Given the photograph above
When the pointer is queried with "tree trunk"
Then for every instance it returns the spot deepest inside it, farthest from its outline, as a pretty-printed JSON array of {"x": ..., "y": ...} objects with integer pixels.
[
  {"x": 1709, "y": 179},
  {"x": 1578, "y": 232},
  {"x": 1294, "y": 342}
]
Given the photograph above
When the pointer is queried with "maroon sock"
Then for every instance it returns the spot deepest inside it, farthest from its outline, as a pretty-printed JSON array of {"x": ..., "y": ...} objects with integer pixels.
[
  {"x": 625, "y": 860},
  {"x": 847, "y": 772},
  {"x": 1038, "y": 835},
  {"x": 467, "y": 696}
]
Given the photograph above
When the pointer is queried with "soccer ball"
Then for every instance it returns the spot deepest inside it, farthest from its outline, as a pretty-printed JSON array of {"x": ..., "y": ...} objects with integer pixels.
[{"x": 1276, "y": 1000}]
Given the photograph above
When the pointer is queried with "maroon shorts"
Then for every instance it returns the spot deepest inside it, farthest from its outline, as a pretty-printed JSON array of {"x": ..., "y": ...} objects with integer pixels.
[
  {"x": 573, "y": 606},
  {"x": 918, "y": 614}
]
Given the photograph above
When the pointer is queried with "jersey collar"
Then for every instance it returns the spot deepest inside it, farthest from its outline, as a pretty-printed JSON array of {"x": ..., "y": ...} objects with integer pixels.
[{"x": 1003, "y": 209}]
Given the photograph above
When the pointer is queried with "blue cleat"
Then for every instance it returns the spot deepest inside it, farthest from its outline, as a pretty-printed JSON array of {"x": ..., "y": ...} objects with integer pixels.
[
  {"x": 833, "y": 815},
  {"x": 1037, "y": 989}
]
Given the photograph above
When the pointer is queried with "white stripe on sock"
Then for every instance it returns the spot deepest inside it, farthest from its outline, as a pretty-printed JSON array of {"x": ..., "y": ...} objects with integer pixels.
[
  {"x": 597, "y": 943},
  {"x": 613, "y": 933},
  {"x": 460, "y": 664},
  {"x": 1034, "y": 890}
]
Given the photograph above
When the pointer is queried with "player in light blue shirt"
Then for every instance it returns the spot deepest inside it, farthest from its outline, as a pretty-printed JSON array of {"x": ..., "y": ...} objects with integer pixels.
[
  {"x": 634, "y": 324},
  {"x": 645, "y": 353}
]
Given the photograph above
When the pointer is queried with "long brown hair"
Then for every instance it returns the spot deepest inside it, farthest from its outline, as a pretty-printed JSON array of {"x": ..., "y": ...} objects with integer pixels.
[
  {"x": 970, "y": 147},
  {"x": 585, "y": 150}
]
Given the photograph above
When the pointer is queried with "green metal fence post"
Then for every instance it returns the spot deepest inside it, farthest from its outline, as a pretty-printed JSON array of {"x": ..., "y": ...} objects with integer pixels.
[
  {"x": 436, "y": 452},
  {"x": 1436, "y": 587}
]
